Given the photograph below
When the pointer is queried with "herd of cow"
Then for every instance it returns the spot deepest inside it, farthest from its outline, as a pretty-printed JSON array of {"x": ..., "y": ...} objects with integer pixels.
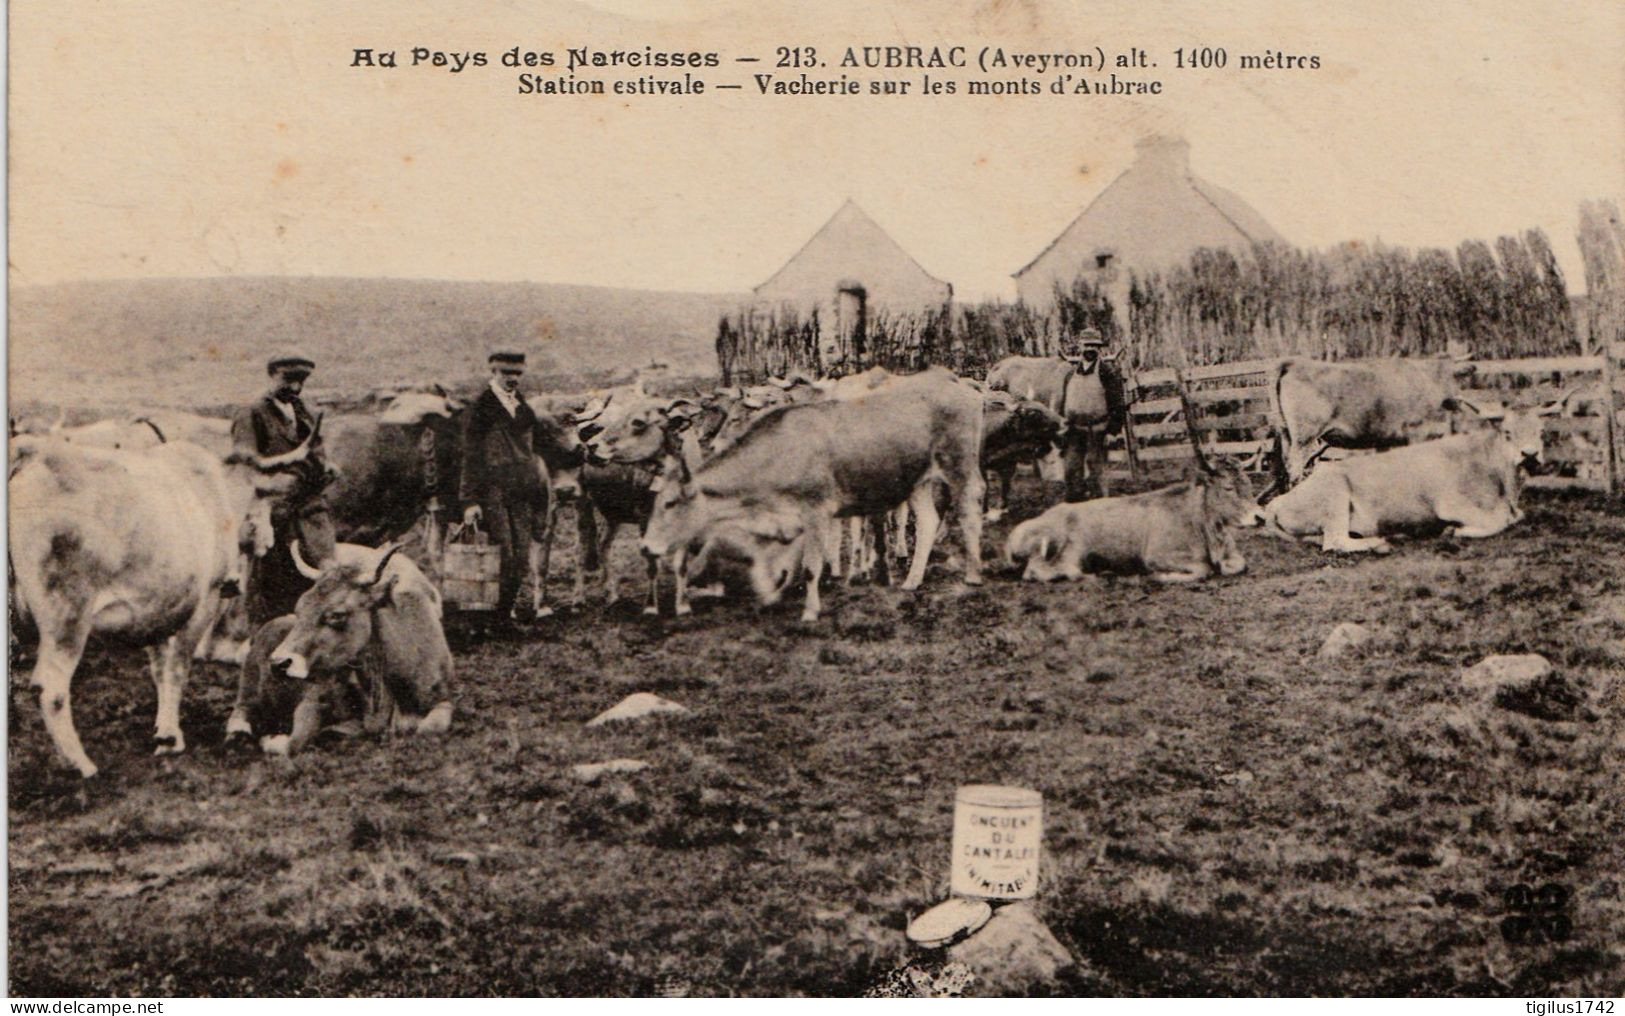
[{"x": 138, "y": 529}]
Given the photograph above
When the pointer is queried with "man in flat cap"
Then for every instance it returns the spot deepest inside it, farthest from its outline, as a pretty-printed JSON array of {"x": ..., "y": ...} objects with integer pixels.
[
  {"x": 276, "y": 423},
  {"x": 501, "y": 485},
  {"x": 1093, "y": 406}
]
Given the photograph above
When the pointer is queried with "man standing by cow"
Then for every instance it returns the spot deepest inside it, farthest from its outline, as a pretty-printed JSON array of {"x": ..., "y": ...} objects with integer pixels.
[
  {"x": 277, "y": 423},
  {"x": 1093, "y": 408},
  {"x": 501, "y": 486},
  {"x": 1086, "y": 388}
]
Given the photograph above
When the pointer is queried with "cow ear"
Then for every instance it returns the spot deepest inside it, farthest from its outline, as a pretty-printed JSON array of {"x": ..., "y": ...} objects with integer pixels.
[{"x": 1475, "y": 408}]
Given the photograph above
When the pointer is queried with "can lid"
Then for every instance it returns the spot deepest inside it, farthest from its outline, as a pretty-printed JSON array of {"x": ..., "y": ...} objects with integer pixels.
[
  {"x": 991, "y": 795},
  {"x": 948, "y": 922}
]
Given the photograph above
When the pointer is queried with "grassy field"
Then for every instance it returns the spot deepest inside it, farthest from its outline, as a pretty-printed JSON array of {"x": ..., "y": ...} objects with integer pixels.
[
  {"x": 1224, "y": 812},
  {"x": 127, "y": 345}
]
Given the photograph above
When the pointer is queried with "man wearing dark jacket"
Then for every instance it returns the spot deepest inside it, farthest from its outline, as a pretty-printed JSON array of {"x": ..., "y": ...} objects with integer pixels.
[
  {"x": 1093, "y": 407},
  {"x": 276, "y": 423},
  {"x": 501, "y": 485}
]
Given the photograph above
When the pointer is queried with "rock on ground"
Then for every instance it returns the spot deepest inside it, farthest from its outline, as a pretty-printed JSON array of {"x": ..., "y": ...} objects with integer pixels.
[
  {"x": 1013, "y": 954},
  {"x": 1345, "y": 637},
  {"x": 636, "y": 707},
  {"x": 592, "y": 772},
  {"x": 1495, "y": 672}
]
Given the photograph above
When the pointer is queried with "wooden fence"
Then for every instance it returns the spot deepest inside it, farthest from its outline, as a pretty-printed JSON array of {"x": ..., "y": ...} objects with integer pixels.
[{"x": 1233, "y": 403}]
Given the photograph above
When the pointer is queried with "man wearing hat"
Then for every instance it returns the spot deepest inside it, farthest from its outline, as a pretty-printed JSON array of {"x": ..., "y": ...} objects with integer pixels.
[
  {"x": 1094, "y": 408},
  {"x": 276, "y": 423},
  {"x": 501, "y": 485}
]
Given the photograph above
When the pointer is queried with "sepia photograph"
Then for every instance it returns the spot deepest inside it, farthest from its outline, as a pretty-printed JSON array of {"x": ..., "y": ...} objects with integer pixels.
[{"x": 980, "y": 498}]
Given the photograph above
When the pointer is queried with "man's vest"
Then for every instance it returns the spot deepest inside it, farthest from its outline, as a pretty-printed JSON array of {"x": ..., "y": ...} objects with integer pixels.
[{"x": 1083, "y": 398}]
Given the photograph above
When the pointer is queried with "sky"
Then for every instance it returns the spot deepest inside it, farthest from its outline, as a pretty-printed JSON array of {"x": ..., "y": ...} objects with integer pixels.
[{"x": 179, "y": 139}]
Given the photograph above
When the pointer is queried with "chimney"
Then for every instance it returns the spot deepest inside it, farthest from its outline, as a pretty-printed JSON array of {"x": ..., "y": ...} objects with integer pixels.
[{"x": 1164, "y": 155}]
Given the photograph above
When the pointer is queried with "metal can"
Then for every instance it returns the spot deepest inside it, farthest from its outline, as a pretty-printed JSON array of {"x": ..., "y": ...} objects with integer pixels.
[{"x": 998, "y": 835}]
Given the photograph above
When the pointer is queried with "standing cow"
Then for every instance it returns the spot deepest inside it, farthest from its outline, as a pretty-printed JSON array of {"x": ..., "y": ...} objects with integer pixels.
[
  {"x": 137, "y": 545},
  {"x": 1360, "y": 404},
  {"x": 798, "y": 468},
  {"x": 394, "y": 467}
]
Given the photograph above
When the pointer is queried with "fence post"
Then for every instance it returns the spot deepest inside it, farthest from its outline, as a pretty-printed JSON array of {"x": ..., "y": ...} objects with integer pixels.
[{"x": 1612, "y": 347}]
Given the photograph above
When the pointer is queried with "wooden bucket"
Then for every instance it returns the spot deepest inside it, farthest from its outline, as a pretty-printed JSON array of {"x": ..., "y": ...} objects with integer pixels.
[{"x": 470, "y": 570}]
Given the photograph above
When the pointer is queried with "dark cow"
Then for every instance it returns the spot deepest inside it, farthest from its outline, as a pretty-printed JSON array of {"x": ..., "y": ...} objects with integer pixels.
[
  {"x": 370, "y": 611},
  {"x": 625, "y": 457},
  {"x": 393, "y": 466},
  {"x": 1090, "y": 398},
  {"x": 1359, "y": 404},
  {"x": 1015, "y": 431},
  {"x": 798, "y": 468},
  {"x": 137, "y": 545}
]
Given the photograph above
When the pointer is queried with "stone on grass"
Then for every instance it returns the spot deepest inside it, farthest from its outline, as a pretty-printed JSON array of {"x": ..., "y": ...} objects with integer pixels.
[
  {"x": 636, "y": 707},
  {"x": 1493, "y": 673},
  {"x": 1013, "y": 954},
  {"x": 592, "y": 772},
  {"x": 1345, "y": 637}
]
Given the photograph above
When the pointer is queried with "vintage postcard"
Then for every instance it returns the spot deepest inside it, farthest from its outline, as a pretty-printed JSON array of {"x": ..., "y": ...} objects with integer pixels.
[{"x": 707, "y": 498}]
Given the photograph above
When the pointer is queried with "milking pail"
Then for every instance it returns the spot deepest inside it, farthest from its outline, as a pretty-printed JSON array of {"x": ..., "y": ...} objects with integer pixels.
[{"x": 998, "y": 833}]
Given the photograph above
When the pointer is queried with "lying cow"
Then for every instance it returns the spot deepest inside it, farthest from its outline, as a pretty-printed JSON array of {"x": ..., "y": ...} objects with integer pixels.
[
  {"x": 369, "y": 610},
  {"x": 1360, "y": 404},
  {"x": 1181, "y": 533},
  {"x": 798, "y": 468},
  {"x": 1468, "y": 481}
]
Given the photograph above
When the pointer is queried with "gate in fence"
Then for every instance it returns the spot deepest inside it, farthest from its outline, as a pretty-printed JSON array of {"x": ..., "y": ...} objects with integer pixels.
[{"x": 1233, "y": 403}]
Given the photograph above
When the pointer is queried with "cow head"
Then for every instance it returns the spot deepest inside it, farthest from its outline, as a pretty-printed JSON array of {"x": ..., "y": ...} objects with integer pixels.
[
  {"x": 1035, "y": 425},
  {"x": 1228, "y": 497},
  {"x": 1227, "y": 494},
  {"x": 644, "y": 434},
  {"x": 679, "y": 513},
  {"x": 334, "y": 619},
  {"x": 744, "y": 410},
  {"x": 1520, "y": 434},
  {"x": 558, "y": 444},
  {"x": 713, "y": 413}
]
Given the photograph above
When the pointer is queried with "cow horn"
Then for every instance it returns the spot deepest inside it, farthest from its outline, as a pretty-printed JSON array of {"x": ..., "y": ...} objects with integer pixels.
[
  {"x": 383, "y": 562},
  {"x": 1562, "y": 404},
  {"x": 1188, "y": 411},
  {"x": 299, "y": 562}
]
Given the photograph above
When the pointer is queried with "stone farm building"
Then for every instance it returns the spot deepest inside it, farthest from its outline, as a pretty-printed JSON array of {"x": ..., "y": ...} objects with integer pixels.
[
  {"x": 1154, "y": 215},
  {"x": 850, "y": 269}
]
